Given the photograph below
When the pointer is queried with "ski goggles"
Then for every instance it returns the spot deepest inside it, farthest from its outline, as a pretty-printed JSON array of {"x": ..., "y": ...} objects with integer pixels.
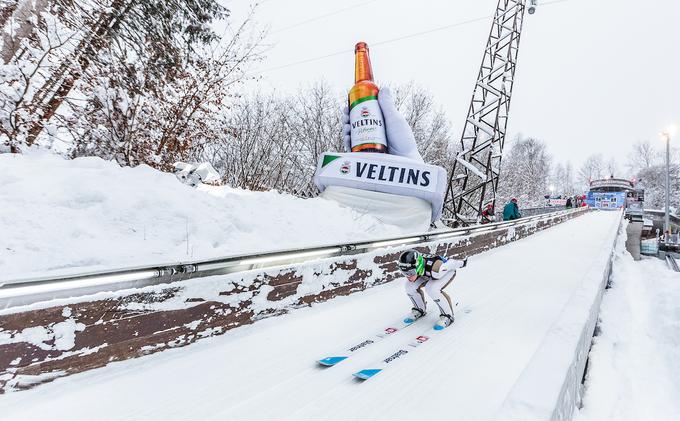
[
  {"x": 419, "y": 270},
  {"x": 409, "y": 272}
]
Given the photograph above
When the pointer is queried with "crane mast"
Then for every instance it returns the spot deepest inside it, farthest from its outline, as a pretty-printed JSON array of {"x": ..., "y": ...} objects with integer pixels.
[{"x": 473, "y": 180}]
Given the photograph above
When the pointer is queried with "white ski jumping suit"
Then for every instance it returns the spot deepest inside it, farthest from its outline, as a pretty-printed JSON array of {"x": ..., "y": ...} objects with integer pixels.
[{"x": 439, "y": 272}]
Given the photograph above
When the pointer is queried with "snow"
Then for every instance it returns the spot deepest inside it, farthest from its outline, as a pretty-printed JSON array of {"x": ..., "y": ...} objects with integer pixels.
[
  {"x": 62, "y": 335},
  {"x": 509, "y": 299},
  {"x": 37, "y": 336},
  {"x": 65, "y": 333},
  {"x": 65, "y": 216},
  {"x": 634, "y": 367}
]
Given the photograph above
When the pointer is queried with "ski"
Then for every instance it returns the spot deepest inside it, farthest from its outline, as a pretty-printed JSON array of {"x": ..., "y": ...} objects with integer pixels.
[
  {"x": 403, "y": 350},
  {"x": 361, "y": 344}
]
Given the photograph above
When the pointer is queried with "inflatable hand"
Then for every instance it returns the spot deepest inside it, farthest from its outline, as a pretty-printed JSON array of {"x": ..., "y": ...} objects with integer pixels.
[
  {"x": 400, "y": 139},
  {"x": 346, "y": 129}
]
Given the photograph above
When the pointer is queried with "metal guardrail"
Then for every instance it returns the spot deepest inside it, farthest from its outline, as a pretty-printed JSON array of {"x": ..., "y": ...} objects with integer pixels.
[
  {"x": 525, "y": 212},
  {"x": 540, "y": 211},
  {"x": 30, "y": 290}
]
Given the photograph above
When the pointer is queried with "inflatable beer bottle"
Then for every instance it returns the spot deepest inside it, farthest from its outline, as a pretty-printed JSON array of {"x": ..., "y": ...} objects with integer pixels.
[{"x": 368, "y": 127}]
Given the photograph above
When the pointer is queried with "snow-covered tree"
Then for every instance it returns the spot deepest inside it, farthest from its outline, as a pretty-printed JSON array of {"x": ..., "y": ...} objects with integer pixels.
[
  {"x": 313, "y": 118},
  {"x": 648, "y": 164},
  {"x": 96, "y": 68},
  {"x": 643, "y": 156},
  {"x": 274, "y": 141},
  {"x": 563, "y": 180},
  {"x": 612, "y": 168},
  {"x": 592, "y": 169},
  {"x": 525, "y": 173},
  {"x": 568, "y": 181},
  {"x": 23, "y": 18},
  {"x": 137, "y": 116},
  {"x": 431, "y": 128},
  {"x": 256, "y": 151},
  {"x": 31, "y": 55},
  {"x": 557, "y": 178},
  {"x": 653, "y": 180}
]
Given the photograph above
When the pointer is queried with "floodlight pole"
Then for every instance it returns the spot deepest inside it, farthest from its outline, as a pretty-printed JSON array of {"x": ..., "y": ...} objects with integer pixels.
[{"x": 667, "y": 225}]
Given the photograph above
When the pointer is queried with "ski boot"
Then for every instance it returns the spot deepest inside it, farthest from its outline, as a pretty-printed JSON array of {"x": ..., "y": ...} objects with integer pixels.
[
  {"x": 416, "y": 314},
  {"x": 444, "y": 321}
]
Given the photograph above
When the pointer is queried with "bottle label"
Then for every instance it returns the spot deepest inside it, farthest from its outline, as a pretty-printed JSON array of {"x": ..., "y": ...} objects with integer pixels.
[{"x": 366, "y": 119}]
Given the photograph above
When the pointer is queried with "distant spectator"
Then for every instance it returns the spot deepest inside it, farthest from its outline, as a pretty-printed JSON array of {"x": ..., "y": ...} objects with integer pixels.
[
  {"x": 488, "y": 214},
  {"x": 511, "y": 210},
  {"x": 569, "y": 203}
]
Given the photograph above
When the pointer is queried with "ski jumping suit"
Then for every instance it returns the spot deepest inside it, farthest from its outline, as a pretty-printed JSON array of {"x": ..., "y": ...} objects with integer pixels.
[{"x": 439, "y": 272}]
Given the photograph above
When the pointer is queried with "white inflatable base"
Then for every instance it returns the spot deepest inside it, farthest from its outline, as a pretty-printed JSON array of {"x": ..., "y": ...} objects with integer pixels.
[
  {"x": 385, "y": 173},
  {"x": 409, "y": 213}
]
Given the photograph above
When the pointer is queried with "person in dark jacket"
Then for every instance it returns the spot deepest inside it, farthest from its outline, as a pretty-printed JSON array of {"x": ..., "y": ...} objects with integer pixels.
[
  {"x": 569, "y": 203},
  {"x": 511, "y": 210}
]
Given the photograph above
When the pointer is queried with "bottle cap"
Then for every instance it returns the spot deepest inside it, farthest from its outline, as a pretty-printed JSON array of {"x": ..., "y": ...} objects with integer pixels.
[{"x": 361, "y": 46}]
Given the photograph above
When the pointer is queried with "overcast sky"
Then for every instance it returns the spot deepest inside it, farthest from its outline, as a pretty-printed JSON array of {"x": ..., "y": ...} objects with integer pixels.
[{"x": 592, "y": 76}]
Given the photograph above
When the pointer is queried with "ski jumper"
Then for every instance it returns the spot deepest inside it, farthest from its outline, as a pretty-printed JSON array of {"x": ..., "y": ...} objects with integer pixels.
[{"x": 439, "y": 272}]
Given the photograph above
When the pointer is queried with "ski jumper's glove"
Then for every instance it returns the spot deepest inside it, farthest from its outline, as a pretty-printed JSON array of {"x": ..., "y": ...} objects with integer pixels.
[{"x": 400, "y": 139}]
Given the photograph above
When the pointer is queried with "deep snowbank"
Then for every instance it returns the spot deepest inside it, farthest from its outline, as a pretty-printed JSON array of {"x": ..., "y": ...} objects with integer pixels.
[{"x": 68, "y": 215}]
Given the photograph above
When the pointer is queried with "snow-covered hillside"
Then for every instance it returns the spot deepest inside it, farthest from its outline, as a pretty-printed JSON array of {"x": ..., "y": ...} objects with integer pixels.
[{"x": 69, "y": 215}]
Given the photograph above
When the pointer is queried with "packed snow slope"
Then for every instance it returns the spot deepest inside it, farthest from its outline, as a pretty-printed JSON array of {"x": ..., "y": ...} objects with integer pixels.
[
  {"x": 508, "y": 299},
  {"x": 70, "y": 215},
  {"x": 634, "y": 368}
]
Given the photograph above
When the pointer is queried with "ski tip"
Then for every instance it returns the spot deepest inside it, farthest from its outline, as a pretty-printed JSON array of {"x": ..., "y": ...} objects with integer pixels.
[
  {"x": 368, "y": 373},
  {"x": 331, "y": 361}
]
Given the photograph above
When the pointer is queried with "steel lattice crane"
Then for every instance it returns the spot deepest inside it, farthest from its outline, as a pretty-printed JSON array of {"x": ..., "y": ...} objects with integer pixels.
[{"x": 473, "y": 181}]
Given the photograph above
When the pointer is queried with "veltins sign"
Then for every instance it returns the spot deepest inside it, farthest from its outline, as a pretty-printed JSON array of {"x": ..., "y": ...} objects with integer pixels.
[{"x": 383, "y": 173}]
